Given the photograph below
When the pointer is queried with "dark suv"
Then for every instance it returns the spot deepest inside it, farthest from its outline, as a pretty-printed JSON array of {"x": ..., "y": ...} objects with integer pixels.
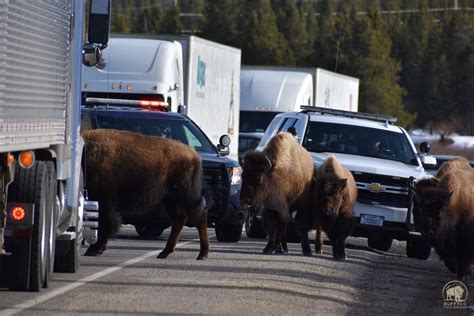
[{"x": 222, "y": 174}]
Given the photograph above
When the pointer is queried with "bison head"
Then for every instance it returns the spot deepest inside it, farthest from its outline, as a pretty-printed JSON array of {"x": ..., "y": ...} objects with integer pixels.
[
  {"x": 255, "y": 178},
  {"x": 429, "y": 204},
  {"x": 329, "y": 188}
]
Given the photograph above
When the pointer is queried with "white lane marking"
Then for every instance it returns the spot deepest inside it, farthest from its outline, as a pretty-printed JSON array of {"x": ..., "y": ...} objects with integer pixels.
[{"x": 47, "y": 296}]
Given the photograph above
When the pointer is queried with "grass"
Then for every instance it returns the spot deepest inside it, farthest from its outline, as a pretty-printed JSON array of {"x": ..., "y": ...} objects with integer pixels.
[{"x": 447, "y": 149}]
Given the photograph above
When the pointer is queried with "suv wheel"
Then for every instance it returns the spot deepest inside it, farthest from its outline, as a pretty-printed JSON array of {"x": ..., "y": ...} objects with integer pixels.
[
  {"x": 380, "y": 243},
  {"x": 253, "y": 227},
  {"x": 148, "y": 231},
  {"x": 418, "y": 248},
  {"x": 228, "y": 232}
]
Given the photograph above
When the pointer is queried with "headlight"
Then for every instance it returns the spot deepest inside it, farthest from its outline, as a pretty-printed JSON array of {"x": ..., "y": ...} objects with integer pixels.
[{"x": 235, "y": 175}]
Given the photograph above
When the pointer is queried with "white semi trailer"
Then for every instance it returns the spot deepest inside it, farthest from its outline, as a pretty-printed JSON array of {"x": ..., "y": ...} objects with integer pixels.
[
  {"x": 178, "y": 73},
  {"x": 42, "y": 199}
]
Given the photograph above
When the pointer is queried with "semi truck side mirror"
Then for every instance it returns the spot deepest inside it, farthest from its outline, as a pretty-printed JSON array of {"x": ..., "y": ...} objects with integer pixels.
[{"x": 98, "y": 32}]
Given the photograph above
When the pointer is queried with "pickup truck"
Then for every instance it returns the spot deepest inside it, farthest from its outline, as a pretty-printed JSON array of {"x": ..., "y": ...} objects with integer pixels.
[{"x": 383, "y": 160}]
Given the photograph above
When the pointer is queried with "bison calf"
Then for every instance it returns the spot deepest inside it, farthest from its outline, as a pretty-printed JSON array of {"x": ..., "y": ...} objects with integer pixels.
[
  {"x": 279, "y": 179},
  {"x": 132, "y": 175},
  {"x": 334, "y": 196}
]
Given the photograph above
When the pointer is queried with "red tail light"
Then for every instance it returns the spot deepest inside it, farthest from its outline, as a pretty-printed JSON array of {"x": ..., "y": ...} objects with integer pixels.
[{"x": 18, "y": 213}]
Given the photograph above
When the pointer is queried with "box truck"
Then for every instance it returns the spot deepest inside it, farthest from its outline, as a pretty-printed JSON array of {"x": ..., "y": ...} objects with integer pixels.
[
  {"x": 42, "y": 198},
  {"x": 178, "y": 73}
]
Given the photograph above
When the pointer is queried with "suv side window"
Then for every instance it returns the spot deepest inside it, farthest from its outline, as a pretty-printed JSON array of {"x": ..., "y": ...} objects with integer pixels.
[
  {"x": 289, "y": 122},
  {"x": 271, "y": 129},
  {"x": 86, "y": 122}
]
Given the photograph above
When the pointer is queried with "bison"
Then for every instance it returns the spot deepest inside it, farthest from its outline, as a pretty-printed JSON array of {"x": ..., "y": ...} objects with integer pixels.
[
  {"x": 279, "y": 178},
  {"x": 131, "y": 174},
  {"x": 444, "y": 209},
  {"x": 333, "y": 198}
]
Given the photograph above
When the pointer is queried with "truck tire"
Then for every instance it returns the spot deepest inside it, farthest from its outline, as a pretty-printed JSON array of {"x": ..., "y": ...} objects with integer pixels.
[
  {"x": 380, "y": 243},
  {"x": 418, "y": 248},
  {"x": 228, "y": 232},
  {"x": 147, "y": 231},
  {"x": 254, "y": 228},
  {"x": 69, "y": 261},
  {"x": 31, "y": 186}
]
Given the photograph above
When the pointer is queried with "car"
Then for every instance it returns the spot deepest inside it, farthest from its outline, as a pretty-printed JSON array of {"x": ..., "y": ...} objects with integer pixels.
[
  {"x": 440, "y": 159},
  {"x": 221, "y": 173},
  {"x": 383, "y": 160}
]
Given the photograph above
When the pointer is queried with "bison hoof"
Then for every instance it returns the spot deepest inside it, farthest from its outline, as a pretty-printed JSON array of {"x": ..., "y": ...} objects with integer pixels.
[
  {"x": 268, "y": 251},
  {"x": 163, "y": 255},
  {"x": 202, "y": 257},
  {"x": 93, "y": 252},
  {"x": 280, "y": 251},
  {"x": 340, "y": 258},
  {"x": 319, "y": 252}
]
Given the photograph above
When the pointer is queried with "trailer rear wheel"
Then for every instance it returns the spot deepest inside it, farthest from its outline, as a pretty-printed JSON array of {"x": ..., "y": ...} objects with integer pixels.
[{"x": 30, "y": 186}]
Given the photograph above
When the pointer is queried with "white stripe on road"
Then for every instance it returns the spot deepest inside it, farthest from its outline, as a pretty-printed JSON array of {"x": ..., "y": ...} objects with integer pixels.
[{"x": 47, "y": 296}]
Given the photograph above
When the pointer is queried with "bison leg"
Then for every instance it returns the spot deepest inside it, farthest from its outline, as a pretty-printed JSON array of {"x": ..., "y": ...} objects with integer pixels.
[
  {"x": 281, "y": 247},
  {"x": 176, "y": 227},
  {"x": 270, "y": 220},
  {"x": 318, "y": 242},
  {"x": 203, "y": 238},
  {"x": 109, "y": 225},
  {"x": 339, "y": 248}
]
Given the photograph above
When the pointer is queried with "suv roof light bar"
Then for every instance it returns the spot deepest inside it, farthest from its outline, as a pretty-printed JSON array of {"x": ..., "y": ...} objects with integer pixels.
[
  {"x": 126, "y": 102},
  {"x": 367, "y": 116}
]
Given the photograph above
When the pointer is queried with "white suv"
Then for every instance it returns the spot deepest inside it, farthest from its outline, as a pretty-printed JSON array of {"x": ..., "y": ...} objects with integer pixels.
[{"x": 382, "y": 158}]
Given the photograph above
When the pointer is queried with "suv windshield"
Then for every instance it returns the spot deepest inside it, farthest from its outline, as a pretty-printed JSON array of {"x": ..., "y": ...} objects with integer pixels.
[
  {"x": 357, "y": 140},
  {"x": 182, "y": 130}
]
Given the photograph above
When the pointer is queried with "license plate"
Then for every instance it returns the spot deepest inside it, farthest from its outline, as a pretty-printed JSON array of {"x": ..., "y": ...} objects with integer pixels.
[{"x": 371, "y": 220}]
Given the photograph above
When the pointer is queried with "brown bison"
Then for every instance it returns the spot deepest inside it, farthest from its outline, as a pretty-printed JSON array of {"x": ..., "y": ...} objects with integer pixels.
[
  {"x": 333, "y": 198},
  {"x": 458, "y": 162},
  {"x": 132, "y": 175},
  {"x": 444, "y": 211},
  {"x": 279, "y": 179}
]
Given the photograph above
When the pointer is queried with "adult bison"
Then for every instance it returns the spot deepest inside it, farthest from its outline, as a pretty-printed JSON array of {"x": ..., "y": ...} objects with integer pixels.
[
  {"x": 333, "y": 199},
  {"x": 279, "y": 179},
  {"x": 445, "y": 208},
  {"x": 132, "y": 175}
]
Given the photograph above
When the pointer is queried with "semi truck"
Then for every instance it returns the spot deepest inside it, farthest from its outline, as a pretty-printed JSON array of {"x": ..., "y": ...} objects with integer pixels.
[
  {"x": 42, "y": 199},
  {"x": 269, "y": 90},
  {"x": 182, "y": 73}
]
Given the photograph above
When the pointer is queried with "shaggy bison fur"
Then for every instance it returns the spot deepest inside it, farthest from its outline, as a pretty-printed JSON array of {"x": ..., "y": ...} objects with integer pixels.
[
  {"x": 279, "y": 179},
  {"x": 333, "y": 199},
  {"x": 444, "y": 212},
  {"x": 135, "y": 175}
]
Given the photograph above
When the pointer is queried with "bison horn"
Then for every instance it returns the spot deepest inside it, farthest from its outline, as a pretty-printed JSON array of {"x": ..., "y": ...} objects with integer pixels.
[{"x": 269, "y": 164}]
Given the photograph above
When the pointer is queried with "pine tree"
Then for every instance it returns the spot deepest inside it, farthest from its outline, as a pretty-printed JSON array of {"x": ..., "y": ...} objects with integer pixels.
[
  {"x": 221, "y": 20},
  {"x": 262, "y": 43},
  {"x": 172, "y": 22}
]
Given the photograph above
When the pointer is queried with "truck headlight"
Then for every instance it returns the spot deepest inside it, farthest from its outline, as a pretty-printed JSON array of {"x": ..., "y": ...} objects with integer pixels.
[{"x": 235, "y": 175}]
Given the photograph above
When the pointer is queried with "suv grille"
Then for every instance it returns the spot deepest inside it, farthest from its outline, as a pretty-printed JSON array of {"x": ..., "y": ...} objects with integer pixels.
[
  {"x": 377, "y": 189},
  {"x": 217, "y": 178}
]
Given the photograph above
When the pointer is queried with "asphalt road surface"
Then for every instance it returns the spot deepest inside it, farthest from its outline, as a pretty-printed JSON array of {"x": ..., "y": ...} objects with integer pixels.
[{"x": 238, "y": 279}]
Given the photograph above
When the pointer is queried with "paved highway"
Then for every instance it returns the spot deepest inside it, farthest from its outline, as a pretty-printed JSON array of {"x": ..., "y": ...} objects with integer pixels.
[{"x": 237, "y": 279}]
